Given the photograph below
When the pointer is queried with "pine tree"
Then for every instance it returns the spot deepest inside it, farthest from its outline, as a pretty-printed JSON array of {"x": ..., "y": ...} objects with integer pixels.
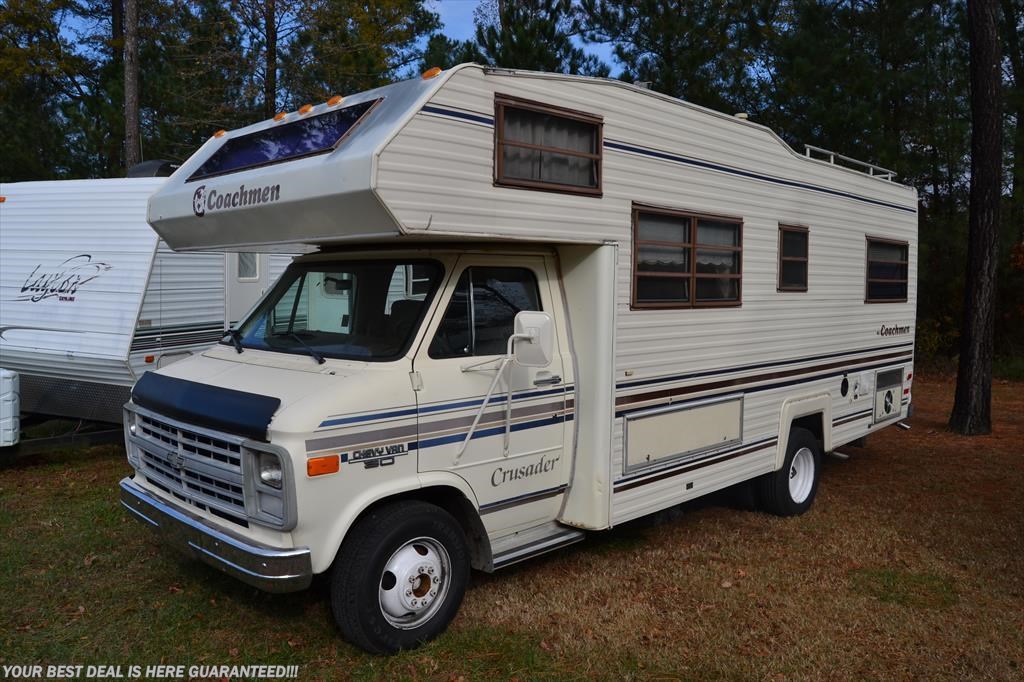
[{"x": 972, "y": 406}]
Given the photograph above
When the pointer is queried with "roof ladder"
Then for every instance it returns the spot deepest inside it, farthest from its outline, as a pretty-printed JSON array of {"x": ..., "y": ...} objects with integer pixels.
[{"x": 831, "y": 157}]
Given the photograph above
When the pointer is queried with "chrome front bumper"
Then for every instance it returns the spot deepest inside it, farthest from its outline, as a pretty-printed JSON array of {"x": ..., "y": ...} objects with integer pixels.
[{"x": 268, "y": 568}]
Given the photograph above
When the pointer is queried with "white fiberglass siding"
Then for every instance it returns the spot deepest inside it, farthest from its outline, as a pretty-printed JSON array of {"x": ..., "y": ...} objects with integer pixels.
[
  {"x": 74, "y": 260},
  {"x": 665, "y": 153}
]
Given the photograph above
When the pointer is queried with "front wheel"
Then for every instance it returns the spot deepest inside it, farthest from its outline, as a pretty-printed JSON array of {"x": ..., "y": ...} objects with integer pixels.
[
  {"x": 399, "y": 577},
  {"x": 790, "y": 490}
]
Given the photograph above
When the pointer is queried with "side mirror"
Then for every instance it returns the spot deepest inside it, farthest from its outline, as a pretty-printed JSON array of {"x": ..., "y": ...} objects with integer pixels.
[{"x": 534, "y": 339}]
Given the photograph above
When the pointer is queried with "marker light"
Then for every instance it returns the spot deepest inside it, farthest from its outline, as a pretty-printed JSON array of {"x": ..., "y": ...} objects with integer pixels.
[
  {"x": 305, "y": 108},
  {"x": 430, "y": 73},
  {"x": 220, "y": 133},
  {"x": 318, "y": 466},
  {"x": 3, "y": 199},
  {"x": 150, "y": 359},
  {"x": 279, "y": 115},
  {"x": 335, "y": 100}
]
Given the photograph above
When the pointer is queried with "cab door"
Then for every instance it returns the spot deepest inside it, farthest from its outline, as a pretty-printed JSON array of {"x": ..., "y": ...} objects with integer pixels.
[{"x": 456, "y": 363}]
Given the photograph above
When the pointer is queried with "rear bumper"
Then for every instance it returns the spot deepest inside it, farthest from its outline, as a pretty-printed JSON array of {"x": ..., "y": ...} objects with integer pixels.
[{"x": 268, "y": 568}]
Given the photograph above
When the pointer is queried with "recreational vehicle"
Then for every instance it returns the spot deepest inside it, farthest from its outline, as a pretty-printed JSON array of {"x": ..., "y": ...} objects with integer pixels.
[
  {"x": 537, "y": 306},
  {"x": 90, "y": 297}
]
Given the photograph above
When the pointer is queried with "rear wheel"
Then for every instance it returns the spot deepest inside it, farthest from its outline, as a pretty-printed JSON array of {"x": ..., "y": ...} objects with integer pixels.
[
  {"x": 399, "y": 577},
  {"x": 790, "y": 490}
]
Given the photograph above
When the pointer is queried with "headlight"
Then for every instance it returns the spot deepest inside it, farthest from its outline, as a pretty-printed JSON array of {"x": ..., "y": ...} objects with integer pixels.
[{"x": 270, "y": 470}]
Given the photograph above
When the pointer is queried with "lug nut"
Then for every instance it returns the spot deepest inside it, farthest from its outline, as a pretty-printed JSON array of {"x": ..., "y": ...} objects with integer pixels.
[{"x": 430, "y": 570}]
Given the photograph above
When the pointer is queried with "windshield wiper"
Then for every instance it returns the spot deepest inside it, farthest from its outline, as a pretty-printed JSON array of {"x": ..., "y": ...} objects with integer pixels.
[
  {"x": 312, "y": 352},
  {"x": 236, "y": 338}
]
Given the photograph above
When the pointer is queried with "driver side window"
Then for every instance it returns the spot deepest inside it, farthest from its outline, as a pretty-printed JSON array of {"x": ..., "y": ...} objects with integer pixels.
[{"x": 480, "y": 315}]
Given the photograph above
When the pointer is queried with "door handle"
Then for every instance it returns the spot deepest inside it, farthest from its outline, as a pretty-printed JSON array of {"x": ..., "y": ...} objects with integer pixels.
[{"x": 547, "y": 381}]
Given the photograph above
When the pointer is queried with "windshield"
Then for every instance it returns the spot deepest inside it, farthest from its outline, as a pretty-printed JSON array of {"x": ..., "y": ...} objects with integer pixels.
[{"x": 361, "y": 310}]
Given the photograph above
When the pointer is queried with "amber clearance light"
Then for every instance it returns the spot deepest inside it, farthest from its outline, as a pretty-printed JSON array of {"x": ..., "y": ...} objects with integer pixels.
[
  {"x": 279, "y": 115},
  {"x": 305, "y": 108},
  {"x": 220, "y": 133},
  {"x": 319, "y": 466},
  {"x": 335, "y": 100},
  {"x": 431, "y": 72}
]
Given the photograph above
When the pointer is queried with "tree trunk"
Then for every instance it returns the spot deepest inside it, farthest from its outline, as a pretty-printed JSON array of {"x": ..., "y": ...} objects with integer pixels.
[
  {"x": 972, "y": 407},
  {"x": 1016, "y": 103},
  {"x": 117, "y": 29},
  {"x": 132, "y": 136},
  {"x": 270, "y": 75}
]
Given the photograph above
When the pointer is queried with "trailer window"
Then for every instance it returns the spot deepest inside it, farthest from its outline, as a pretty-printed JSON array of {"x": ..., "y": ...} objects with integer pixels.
[
  {"x": 887, "y": 268},
  {"x": 683, "y": 260},
  {"x": 248, "y": 267},
  {"x": 793, "y": 258},
  {"x": 539, "y": 146},
  {"x": 284, "y": 142},
  {"x": 480, "y": 315}
]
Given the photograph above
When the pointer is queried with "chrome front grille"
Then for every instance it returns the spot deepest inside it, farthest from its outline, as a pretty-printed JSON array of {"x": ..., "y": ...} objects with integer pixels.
[{"x": 196, "y": 466}]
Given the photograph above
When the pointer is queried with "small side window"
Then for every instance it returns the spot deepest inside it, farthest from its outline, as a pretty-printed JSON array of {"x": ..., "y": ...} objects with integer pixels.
[
  {"x": 887, "y": 268},
  {"x": 793, "y": 258},
  {"x": 539, "y": 146},
  {"x": 480, "y": 315},
  {"x": 248, "y": 267}
]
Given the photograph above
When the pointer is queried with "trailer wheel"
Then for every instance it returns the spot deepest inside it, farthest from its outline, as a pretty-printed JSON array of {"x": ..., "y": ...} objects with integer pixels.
[
  {"x": 399, "y": 577},
  {"x": 790, "y": 491}
]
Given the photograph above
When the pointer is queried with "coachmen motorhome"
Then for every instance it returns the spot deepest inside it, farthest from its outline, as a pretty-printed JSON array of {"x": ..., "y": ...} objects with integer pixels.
[
  {"x": 90, "y": 297},
  {"x": 539, "y": 305}
]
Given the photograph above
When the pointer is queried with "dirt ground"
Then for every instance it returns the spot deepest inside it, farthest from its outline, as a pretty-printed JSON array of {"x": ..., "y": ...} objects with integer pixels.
[{"x": 909, "y": 566}]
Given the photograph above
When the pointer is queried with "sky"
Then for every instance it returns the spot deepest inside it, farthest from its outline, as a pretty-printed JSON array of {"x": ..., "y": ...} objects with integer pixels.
[{"x": 457, "y": 16}]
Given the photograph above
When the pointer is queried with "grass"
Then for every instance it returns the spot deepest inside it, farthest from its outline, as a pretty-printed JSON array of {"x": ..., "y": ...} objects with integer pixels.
[{"x": 909, "y": 566}]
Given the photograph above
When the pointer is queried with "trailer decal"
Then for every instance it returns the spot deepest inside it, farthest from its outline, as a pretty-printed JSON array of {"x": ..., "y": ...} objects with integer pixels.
[
  {"x": 629, "y": 483},
  {"x": 668, "y": 395},
  {"x": 64, "y": 281}
]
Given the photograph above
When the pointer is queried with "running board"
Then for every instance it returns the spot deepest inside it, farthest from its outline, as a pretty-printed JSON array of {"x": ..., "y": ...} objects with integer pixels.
[{"x": 529, "y": 543}]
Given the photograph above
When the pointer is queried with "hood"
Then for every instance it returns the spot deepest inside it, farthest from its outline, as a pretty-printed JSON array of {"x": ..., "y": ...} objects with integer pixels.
[{"x": 252, "y": 393}]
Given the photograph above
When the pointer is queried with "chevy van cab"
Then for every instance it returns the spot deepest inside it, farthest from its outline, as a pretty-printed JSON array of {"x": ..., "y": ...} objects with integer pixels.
[{"x": 531, "y": 306}]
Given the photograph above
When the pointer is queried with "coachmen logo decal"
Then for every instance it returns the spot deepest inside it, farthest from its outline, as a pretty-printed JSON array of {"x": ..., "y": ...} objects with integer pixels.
[{"x": 204, "y": 201}]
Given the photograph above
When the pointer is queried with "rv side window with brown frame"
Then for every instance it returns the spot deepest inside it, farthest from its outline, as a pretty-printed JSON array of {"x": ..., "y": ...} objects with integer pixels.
[
  {"x": 886, "y": 271},
  {"x": 685, "y": 260},
  {"x": 793, "y": 257},
  {"x": 539, "y": 146}
]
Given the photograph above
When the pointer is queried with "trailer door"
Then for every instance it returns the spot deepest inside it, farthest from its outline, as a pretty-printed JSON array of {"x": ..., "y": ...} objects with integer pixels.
[
  {"x": 456, "y": 363},
  {"x": 246, "y": 278}
]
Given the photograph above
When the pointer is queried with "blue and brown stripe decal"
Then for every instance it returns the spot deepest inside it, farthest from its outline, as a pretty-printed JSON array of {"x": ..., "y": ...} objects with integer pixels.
[{"x": 480, "y": 119}]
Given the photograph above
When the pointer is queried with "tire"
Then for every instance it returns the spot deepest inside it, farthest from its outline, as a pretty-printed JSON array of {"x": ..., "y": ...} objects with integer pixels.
[
  {"x": 412, "y": 544},
  {"x": 790, "y": 491}
]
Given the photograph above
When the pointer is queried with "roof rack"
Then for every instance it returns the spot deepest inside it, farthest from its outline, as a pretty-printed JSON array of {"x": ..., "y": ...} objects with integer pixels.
[{"x": 869, "y": 168}]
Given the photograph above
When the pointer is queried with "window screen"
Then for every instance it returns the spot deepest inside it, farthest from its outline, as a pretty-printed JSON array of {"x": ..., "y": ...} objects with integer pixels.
[
  {"x": 793, "y": 258},
  {"x": 480, "y": 316},
  {"x": 886, "y": 271},
  {"x": 682, "y": 260},
  {"x": 305, "y": 137},
  {"x": 547, "y": 147}
]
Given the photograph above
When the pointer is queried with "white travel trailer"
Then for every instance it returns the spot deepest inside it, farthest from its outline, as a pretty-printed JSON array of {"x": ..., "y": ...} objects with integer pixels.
[
  {"x": 90, "y": 297},
  {"x": 540, "y": 305}
]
